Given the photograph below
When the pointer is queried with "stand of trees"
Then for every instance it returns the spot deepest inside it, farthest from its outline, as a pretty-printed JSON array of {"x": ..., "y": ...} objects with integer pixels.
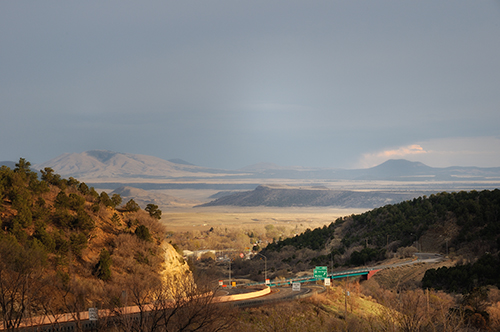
[
  {"x": 367, "y": 237},
  {"x": 463, "y": 278},
  {"x": 476, "y": 214}
]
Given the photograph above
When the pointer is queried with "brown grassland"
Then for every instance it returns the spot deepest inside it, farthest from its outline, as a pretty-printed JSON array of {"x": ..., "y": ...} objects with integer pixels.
[
  {"x": 240, "y": 228},
  {"x": 295, "y": 218}
]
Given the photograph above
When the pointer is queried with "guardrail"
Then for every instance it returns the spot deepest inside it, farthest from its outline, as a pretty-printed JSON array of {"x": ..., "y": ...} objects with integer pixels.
[{"x": 243, "y": 296}]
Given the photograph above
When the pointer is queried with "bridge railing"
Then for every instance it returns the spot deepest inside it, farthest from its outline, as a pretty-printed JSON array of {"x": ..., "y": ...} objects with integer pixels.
[{"x": 309, "y": 278}]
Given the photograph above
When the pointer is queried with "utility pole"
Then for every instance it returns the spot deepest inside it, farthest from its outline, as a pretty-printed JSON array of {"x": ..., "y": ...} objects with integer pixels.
[
  {"x": 331, "y": 259},
  {"x": 345, "y": 302}
]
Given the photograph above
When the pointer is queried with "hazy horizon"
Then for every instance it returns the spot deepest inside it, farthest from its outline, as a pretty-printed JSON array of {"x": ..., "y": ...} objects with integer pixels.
[
  {"x": 264, "y": 165},
  {"x": 224, "y": 84}
]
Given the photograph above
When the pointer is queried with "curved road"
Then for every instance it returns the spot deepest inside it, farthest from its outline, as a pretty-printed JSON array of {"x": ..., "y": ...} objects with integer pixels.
[
  {"x": 279, "y": 294},
  {"x": 422, "y": 257},
  {"x": 286, "y": 292}
]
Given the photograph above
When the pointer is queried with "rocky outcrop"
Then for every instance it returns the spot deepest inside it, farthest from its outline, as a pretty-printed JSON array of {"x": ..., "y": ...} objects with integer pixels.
[{"x": 174, "y": 267}]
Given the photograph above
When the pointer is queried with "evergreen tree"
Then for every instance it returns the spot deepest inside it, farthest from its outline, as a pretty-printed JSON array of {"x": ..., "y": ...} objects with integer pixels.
[
  {"x": 23, "y": 167},
  {"x": 116, "y": 199},
  {"x": 83, "y": 188},
  {"x": 132, "y": 206},
  {"x": 102, "y": 269},
  {"x": 104, "y": 199},
  {"x": 153, "y": 211},
  {"x": 142, "y": 232},
  {"x": 50, "y": 177},
  {"x": 62, "y": 200}
]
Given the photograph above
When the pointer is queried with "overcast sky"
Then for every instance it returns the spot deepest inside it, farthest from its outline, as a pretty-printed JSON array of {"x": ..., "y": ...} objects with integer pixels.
[{"x": 228, "y": 84}]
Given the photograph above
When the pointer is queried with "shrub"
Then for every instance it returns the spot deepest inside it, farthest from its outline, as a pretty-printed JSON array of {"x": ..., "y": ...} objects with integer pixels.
[
  {"x": 78, "y": 242},
  {"x": 154, "y": 211},
  {"x": 62, "y": 200},
  {"x": 102, "y": 269},
  {"x": 132, "y": 206},
  {"x": 83, "y": 222},
  {"x": 142, "y": 232},
  {"x": 76, "y": 201}
]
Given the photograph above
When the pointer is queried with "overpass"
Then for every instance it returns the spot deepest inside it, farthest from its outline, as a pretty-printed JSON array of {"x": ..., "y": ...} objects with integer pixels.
[{"x": 366, "y": 273}]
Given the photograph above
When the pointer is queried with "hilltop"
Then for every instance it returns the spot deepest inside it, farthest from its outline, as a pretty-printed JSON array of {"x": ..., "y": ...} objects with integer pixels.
[{"x": 287, "y": 196}]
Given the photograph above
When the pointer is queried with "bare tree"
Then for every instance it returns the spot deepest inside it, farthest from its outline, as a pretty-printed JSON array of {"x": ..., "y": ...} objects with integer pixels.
[
  {"x": 21, "y": 271},
  {"x": 174, "y": 304}
]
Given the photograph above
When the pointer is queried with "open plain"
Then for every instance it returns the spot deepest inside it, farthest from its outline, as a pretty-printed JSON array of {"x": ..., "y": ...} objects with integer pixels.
[{"x": 204, "y": 218}]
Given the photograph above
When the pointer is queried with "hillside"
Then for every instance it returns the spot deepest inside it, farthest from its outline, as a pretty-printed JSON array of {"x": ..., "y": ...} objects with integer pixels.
[
  {"x": 75, "y": 247},
  {"x": 286, "y": 196},
  {"x": 66, "y": 248},
  {"x": 463, "y": 224}
]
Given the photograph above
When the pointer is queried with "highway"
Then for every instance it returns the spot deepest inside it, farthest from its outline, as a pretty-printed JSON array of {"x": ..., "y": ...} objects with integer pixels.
[
  {"x": 280, "y": 292},
  {"x": 257, "y": 294},
  {"x": 418, "y": 258}
]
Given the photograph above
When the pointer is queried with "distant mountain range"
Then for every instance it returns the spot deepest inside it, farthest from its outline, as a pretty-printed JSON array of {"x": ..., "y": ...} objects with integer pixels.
[
  {"x": 107, "y": 165},
  {"x": 391, "y": 170},
  {"x": 133, "y": 175}
]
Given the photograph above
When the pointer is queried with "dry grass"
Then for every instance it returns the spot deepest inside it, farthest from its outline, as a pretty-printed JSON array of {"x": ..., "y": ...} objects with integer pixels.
[
  {"x": 241, "y": 227},
  {"x": 179, "y": 220}
]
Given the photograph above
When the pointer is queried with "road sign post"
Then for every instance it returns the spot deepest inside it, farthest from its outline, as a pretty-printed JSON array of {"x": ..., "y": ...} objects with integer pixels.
[
  {"x": 93, "y": 314},
  {"x": 296, "y": 287}
]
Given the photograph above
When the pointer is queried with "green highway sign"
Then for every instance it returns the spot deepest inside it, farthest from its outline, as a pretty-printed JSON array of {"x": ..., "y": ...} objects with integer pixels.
[{"x": 320, "y": 272}]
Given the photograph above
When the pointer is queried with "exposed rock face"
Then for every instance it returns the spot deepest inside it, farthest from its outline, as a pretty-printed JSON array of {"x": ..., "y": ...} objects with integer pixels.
[{"x": 175, "y": 267}]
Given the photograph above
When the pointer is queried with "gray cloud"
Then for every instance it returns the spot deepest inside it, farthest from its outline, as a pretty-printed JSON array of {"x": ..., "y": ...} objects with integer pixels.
[{"x": 227, "y": 84}]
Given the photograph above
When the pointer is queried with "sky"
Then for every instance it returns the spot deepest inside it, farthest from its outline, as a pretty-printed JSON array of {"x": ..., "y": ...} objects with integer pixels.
[{"x": 227, "y": 84}]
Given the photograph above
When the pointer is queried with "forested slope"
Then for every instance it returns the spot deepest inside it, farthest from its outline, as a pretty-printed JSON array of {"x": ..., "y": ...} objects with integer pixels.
[
  {"x": 465, "y": 224},
  {"x": 65, "y": 248}
]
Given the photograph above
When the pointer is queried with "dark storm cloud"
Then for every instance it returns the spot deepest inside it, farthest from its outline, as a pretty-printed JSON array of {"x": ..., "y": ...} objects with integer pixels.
[{"x": 227, "y": 84}]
